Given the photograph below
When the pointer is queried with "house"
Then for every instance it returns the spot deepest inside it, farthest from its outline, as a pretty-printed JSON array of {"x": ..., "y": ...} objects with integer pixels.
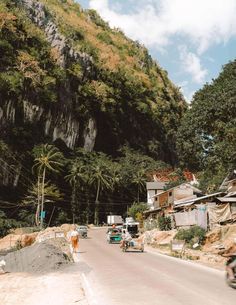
[
  {"x": 209, "y": 210},
  {"x": 195, "y": 211},
  {"x": 160, "y": 181},
  {"x": 184, "y": 191},
  {"x": 163, "y": 202},
  {"x": 153, "y": 188}
]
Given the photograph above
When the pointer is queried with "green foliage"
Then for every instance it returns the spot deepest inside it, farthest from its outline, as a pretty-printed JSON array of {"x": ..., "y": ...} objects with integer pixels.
[
  {"x": 6, "y": 224},
  {"x": 105, "y": 37},
  {"x": 51, "y": 194},
  {"x": 97, "y": 19},
  {"x": 206, "y": 139},
  {"x": 178, "y": 179},
  {"x": 164, "y": 223},
  {"x": 112, "y": 80},
  {"x": 192, "y": 235},
  {"x": 11, "y": 83},
  {"x": 47, "y": 157},
  {"x": 211, "y": 178},
  {"x": 136, "y": 209}
]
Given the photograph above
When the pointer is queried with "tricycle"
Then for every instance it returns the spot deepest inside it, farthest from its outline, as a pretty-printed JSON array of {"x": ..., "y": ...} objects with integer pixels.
[
  {"x": 132, "y": 244},
  {"x": 113, "y": 236}
]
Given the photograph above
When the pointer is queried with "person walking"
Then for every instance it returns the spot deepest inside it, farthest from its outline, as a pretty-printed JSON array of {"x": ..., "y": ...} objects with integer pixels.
[{"x": 74, "y": 238}]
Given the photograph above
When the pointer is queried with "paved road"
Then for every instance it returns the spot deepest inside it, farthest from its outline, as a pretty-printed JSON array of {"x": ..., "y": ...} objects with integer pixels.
[{"x": 116, "y": 278}]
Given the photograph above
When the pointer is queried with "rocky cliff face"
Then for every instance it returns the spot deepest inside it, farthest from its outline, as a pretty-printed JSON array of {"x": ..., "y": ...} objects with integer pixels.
[
  {"x": 66, "y": 76},
  {"x": 55, "y": 123}
]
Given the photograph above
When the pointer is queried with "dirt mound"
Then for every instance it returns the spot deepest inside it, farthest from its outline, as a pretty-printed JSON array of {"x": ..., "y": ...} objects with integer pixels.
[
  {"x": 66, "y": 227},
  {"x": 157, "y": 237},
  {"x": 41, "y": 257},
  {"x": 51, "y": 232},
  {"x": 24, "y": 230},
  {"x": 12, "y": 241},
  {"x": 220, "y": 237}
]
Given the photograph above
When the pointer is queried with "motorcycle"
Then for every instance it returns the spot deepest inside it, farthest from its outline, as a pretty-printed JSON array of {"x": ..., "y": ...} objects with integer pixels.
[
  {"x": 231, "y": 282},
  {"x": 132, "y": 244}
]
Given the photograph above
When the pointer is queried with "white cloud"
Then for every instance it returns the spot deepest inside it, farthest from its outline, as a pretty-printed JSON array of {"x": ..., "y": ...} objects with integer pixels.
[
  {"x": 155, "y": 22},
  {"x": 161, "y": 24},
  {"x": 187, "y": 93},
  {"x": 191, "y": 64}
]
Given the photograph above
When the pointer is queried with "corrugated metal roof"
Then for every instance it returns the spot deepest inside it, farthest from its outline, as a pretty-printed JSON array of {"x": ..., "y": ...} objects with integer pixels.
[
  {"x": 196, "y": 190},
  {"x": 152, "y": 211},
  {"x": 155, "y": 185},
  {"x": 226, "y": 199},
  {"x": 191, "y": 201},
  {"x": 230, "y": 194}
]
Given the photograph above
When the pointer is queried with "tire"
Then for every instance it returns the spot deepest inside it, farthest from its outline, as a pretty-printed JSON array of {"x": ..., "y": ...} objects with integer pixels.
[{"x": 230, "y": 283}]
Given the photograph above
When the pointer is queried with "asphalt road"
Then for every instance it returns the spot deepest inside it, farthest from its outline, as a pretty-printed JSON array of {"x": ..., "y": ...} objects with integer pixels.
[{"x": 134, "y": 278}]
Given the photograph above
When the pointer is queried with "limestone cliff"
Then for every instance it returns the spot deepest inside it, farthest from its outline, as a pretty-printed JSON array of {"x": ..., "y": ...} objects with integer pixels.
[{"x": 66, "y": 76}]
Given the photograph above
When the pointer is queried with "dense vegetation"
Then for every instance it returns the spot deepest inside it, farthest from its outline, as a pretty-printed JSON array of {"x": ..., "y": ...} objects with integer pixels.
[
  {"x": 71, "y": 67},
  {"x": 193, "y": 235},
  {"x": 207, "y": 136},
  {"x": 59, "y": 73}
]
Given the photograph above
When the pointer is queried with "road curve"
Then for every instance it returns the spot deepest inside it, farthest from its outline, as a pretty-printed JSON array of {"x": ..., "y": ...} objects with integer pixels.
[{"x": 134, "y": 278}]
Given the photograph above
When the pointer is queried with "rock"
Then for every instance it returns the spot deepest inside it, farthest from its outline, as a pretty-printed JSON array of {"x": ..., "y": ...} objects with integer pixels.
[
  {"x": 156, "y": 237},
  {"x": 17, "y": 240},
  {"x": 28, "y": 239}
]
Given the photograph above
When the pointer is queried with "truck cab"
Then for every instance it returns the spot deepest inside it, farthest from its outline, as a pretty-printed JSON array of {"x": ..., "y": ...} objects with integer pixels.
[{"x": 132, "y": 228}]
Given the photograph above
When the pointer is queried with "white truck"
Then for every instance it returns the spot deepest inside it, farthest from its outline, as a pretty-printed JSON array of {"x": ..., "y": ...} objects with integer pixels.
[
  {"x": 131, "y": 226},
  {"x": 114, "y": 220}
]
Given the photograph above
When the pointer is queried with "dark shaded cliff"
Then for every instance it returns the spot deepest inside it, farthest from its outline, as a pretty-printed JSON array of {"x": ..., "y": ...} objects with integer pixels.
[{"x": 66, "y": 77}]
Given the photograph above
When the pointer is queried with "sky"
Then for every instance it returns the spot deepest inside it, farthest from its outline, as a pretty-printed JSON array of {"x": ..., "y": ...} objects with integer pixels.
[{"x": 190, "y": 39}]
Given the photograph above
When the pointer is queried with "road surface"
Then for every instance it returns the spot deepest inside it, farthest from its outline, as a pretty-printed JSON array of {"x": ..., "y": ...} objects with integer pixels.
[{"x": 112, "y": 277}]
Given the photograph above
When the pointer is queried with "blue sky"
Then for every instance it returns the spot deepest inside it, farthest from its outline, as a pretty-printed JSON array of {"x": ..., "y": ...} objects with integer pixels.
[{"x": 191, "y": 39}]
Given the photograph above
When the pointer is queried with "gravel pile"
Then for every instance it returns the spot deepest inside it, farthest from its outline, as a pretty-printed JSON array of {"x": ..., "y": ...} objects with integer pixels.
[{"x": 42, "y": 257}]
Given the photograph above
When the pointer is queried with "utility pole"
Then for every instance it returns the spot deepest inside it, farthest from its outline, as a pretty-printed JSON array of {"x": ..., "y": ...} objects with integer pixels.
[
  {"x": 42, "y": 202},
  {"x": 38, "y": 203},
  {"x": 51, "y": 216}
]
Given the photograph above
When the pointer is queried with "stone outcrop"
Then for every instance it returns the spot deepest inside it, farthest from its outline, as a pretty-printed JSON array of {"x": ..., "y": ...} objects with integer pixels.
[
  {"x": 56, "y": 122},
  {"x": 37, "y": 13}
]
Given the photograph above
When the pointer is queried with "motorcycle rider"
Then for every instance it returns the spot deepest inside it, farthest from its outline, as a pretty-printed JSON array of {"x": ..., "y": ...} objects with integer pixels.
[
  {"x": 126, "y": 237},
  {"x": 229, "y": 253}
]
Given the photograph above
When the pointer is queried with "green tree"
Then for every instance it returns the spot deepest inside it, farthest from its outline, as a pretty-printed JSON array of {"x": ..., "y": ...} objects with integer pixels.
[
  {"x": 78, "y": 175},
  {"x": 47, "y": 158},
  {"x": 136, "y": 209},
  {"x": 101, "y": 177},
  {"x": 207, "y": 135},
  {"x": 139, "y": 179},
  {"x": 135, "y": 171}
]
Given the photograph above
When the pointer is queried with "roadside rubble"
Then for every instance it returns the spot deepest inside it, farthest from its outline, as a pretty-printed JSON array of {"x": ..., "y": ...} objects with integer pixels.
[
  {"x": 41, "y": 257},
  {"x": 43, "y": 251},
  {"x": 221, "y": 237},
  {"x": 40, "y": 273}
]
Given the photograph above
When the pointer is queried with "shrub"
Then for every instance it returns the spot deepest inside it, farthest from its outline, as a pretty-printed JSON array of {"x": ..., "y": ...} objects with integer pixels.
[
  {"x": 7, "y": 224},
  {"x": 164, "y": 223},
  {"x": 192, "y": 235},
  {"x": 136, "y": 209}
]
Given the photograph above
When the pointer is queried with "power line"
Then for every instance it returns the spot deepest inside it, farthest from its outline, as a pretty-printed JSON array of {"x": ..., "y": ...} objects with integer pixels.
[{"x": 10, "y": 170}]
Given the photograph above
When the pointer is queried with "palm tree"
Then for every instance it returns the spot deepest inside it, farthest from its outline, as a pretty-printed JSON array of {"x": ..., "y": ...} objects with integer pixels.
[
  {"x": 47, "y": 157},
  {"x": 101, "y": 177},
  {"x": 76, "y": 177},
  {"x": 51, "y": 194},
  {"x": 139, "y": 179}
]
